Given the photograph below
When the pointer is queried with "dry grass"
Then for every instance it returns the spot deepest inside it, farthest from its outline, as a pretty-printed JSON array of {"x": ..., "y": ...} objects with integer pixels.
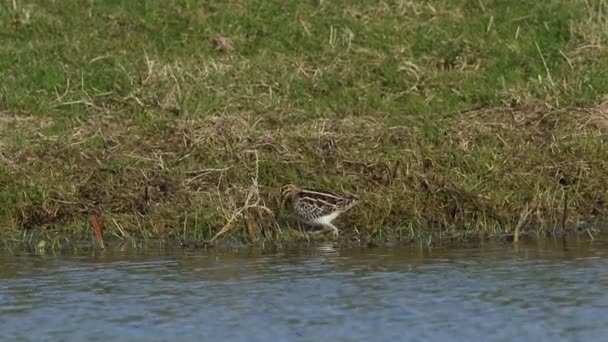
[{"x": 492, "y": 172}]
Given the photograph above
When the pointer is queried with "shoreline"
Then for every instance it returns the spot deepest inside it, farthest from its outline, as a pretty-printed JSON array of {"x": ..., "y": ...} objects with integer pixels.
[
  {"x": 145, "y": 189},
  {"x": 41, "y": 245}
]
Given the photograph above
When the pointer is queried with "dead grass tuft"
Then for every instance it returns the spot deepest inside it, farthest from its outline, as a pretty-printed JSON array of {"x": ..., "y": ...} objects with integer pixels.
[
  {"x": 220, "y": 42},
  {"x": 530, "y": 125}
]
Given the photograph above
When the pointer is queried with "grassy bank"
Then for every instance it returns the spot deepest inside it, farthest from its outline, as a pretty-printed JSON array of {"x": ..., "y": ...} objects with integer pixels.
[{"x": 182, "y": 119}]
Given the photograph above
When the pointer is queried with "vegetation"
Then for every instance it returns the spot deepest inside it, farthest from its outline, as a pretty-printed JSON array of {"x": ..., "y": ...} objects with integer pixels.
[{"x": 181, "y": 119}]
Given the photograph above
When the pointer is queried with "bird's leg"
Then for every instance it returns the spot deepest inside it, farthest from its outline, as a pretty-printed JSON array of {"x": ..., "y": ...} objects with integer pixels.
[
  {"x": 333, "y": 229},
  {"x": 318, "y": 231},
  {"x": 329, "y": 228}
]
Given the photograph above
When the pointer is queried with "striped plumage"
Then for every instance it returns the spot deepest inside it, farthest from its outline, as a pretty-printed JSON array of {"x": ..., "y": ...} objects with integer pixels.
[{"x": 317, "y": 208}]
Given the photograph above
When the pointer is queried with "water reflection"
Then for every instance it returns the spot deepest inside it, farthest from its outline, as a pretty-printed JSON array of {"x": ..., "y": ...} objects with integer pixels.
[{"x": 537, "y": 289}]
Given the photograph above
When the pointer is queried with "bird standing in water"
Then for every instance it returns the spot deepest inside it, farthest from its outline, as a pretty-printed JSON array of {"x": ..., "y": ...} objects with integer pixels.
[{"x": 317, "y": 208}]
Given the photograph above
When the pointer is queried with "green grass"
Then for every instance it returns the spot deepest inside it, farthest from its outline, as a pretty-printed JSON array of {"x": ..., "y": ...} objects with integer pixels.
[{"x": 450, "y": 118}]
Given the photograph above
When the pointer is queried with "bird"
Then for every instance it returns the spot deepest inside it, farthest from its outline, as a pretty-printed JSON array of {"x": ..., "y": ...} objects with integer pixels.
[{"x": 317, "y": 208}]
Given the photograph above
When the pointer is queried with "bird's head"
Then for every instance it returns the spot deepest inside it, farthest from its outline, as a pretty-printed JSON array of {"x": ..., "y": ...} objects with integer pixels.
[{"x": 288, "y": 193}]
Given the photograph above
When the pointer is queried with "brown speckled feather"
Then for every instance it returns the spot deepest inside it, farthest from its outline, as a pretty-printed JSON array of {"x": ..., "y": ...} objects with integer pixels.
[{"x": 310, "y": 205}]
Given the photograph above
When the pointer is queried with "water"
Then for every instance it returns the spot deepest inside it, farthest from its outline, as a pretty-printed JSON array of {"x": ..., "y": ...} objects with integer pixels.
[{"x": 535, "y": 291}]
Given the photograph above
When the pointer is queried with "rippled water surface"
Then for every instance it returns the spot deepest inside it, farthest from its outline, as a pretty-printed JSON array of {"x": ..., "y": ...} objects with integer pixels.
[{"x": 533, "y": 291}]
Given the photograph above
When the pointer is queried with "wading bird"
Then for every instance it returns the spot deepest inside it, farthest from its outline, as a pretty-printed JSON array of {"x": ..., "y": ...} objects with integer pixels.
[{"x": 317, "y": 208}]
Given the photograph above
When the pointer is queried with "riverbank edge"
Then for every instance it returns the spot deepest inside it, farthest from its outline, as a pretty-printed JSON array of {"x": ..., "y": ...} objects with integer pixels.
[{"x": 482, "y": 173}]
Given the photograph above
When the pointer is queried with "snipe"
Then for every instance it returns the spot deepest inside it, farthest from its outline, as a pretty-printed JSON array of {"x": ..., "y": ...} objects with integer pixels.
[{"x": 317, "y": 208}]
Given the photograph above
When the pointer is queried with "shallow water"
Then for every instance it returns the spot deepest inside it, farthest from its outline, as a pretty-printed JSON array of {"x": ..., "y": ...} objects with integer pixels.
[{"x": 537, "y": 290}]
